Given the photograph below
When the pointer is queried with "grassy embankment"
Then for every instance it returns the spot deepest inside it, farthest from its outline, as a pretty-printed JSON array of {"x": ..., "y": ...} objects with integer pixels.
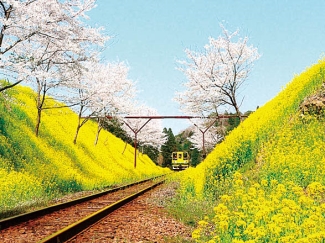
[
  {"x": 266, "y": 181},
  {"x": 37, "y": 169}
]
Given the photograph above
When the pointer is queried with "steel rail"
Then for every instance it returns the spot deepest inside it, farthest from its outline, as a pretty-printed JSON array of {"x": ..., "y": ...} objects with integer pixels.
[
  {"x": 14, "y": 220},
  {"x": 74, "y": 229}
]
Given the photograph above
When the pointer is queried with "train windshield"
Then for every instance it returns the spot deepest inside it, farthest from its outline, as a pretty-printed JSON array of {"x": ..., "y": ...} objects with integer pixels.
[{"x": 185, "y": 156}]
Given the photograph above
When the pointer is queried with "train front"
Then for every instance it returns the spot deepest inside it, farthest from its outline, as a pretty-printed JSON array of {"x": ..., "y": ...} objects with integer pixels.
[{"x": 180, "y": 160}]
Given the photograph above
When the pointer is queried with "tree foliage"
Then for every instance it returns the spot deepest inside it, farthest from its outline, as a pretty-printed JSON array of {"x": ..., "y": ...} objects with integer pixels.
[
  {"x": 38, "y": 36},
  {"x": 39, "y": 39},
  {"x": 216, "y": 74},
  {"x": 114, "y": 126},
  {"x": 168, "y": 147},
  {"x": 101, "y": 90},
  {"x": 151, "y": 151}
]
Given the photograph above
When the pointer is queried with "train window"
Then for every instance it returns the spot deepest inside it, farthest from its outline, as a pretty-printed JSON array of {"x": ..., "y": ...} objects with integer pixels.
[
  {"x": 185, "y": 156},
  {"x": 180, "y": 156},
  {"x": 174, "y": 155}
]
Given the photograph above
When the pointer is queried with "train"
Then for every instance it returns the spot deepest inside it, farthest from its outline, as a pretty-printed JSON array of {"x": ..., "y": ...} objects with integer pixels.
[{"x": 180, "y": 160}]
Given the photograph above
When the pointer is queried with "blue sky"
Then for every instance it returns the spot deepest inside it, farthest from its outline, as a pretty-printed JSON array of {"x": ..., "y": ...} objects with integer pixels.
[{"x": 151, "y": 35}]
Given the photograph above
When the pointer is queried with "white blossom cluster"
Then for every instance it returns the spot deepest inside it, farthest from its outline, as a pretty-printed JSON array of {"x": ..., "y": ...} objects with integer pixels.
[
  {"x": 215, "y": 75},
  {"x": 48, "y": 45}
]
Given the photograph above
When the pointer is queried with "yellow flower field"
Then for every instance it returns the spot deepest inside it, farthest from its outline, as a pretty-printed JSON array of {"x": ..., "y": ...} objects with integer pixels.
[
  {"x": 267, "y": 178},
  {"x": 37, "y": 168}
]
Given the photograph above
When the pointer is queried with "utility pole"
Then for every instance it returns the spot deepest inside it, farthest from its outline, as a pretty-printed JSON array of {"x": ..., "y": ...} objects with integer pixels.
[{"x": 149, "y": 118}]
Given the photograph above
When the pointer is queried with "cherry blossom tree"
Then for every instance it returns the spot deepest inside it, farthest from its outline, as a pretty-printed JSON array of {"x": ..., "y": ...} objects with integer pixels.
[
  {"x": 101, "y": 90},
  {"x": 216, "y": 74},
  {"x": 49, "y": 75},
  {"x": 116, "y": 96},
  {"x": 38, "y": 37},
  {"x": 36, "y": 32}
]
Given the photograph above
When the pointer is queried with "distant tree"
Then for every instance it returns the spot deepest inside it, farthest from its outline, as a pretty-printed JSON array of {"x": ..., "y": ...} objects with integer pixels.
[
  {"x": 233, "y": 122},
  {"x": 168, "y": 147},
  {"x": 114, "y": 126},
  {"x": 183, "y": 143},
  {"x": 183, "y": 140},
  {"x": 195, "y": 157},
  {"x": 151, "y": 151},
  {"x": 247, "y": 113},
  {"x": 216, "y": 74}
]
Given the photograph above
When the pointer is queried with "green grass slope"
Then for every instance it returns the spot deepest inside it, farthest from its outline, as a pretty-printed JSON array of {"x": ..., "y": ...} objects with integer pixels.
[
  {"x": 267, "y": 178},
  {"x": 34, "y": 169}
]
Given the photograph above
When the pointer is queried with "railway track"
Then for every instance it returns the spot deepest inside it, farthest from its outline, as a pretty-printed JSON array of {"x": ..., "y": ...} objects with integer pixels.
[{"x": 61, "y": 222}]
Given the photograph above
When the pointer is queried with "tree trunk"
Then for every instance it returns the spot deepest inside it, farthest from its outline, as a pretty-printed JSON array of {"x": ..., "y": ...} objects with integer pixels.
[
  {"x": 78, "y": 126},
  {"x": 238, "y": 113},
  {"x": 77, "y": 132},
  {"x": 39, "y": 105},
  {"x": 99, "y": 128},
  {"x": 233, "y": 102},
  {"x": 125, "y": 147},
  {"x": 38, "y": 121}
]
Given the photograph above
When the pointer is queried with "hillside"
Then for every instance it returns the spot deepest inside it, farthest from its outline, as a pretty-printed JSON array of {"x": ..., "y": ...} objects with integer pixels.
[
  {"x": 266, "y": 181},
  {"x": 35, "y": 169}
]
